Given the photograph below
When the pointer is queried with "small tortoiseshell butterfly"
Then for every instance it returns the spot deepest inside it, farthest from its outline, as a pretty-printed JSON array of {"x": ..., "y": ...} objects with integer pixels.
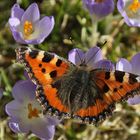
[{"x": 69, "y": 91}]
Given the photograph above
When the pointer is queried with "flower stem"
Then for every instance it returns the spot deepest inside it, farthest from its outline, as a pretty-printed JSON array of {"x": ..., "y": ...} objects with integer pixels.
[{"x": 94, "y": 36}]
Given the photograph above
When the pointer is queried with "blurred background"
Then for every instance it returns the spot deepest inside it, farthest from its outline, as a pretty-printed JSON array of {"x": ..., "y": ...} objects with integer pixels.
[{"x": 73, "y": 29}]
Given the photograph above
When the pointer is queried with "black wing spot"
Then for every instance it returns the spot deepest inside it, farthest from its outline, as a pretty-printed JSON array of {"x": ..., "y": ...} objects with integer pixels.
[
  {"x": 132, "y": 78},
  {"x": 107, "y": 75},
  {"x": 56, "y": 84},
  {"x": 58, "y": 63},
  {"x": 33, "y": 54},
  {"x": 47, "y": 57},
  {"x": 43, "y": 70},
  {"x": 53, "y": 74},
  {"x": 121, "y": 86},
  {"x": 115, "y": 90},
  {"x": 40, "y": 65},
  {"x": 105, "y": 88},
  {"x": 119, "y": 76}
]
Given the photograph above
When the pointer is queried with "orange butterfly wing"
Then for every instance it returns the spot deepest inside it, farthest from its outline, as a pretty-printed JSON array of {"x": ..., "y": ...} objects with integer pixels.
[
  {"x": 114, "y": 87},
  {"x": 43, "y": 68}
]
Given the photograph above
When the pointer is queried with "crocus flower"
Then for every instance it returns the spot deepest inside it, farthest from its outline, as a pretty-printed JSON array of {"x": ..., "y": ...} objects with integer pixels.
[
  {"x": 130, "y": 10},
  {"x": 99, "y": 8},
  {"x": 92, "y": 58},
  {"x": 26, "y": 26},
  {"x": 133, "y": 67},
  {"x": 26, "y": 114}
]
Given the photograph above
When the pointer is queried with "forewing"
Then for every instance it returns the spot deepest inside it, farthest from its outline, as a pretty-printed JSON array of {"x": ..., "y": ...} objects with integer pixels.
[{"x": 44, "y": 68}]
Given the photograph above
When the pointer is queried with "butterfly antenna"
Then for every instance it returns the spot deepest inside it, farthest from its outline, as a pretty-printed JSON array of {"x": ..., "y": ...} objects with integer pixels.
[{"x": 101, "y": 44}]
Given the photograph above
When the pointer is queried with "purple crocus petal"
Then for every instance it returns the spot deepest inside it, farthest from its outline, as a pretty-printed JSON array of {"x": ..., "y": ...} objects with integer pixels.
[
  {"x": 124, "y": 65},
  {"x": 45, "y": 26},
  {"x": 135, "y": 100},
  {"x": 24, "y": 127},
  {"x": 120, "y": 6},
  {"x": 17, "y": 36},
  {"x": 39, "y": 39},
  {"x": 99, "y": 9},
  {"x": 34, "y": 41},
  {"x": 13, "y": 108},
  {"x": 53, "y": 120},
  {"x": 131, "y": 17},
  {"x": 15, "y": 28},
  {"x": 135, "y": 62},
  {"x": 14, "y": 22},
  {"x": 17, "y": 12},
  {"x": 48, "y": 130},
  {"x": 26, "y": 75},
  {"x": 31, "y": 14},
  {"x": 13, "y": 120},
  {"x": 93, "y": 56},
  {"x": 14, "y": 127},
  {"x": 25, "y": 88},
  {"x": 105, "y": 64},
  {"x": 76, "y": 56}
]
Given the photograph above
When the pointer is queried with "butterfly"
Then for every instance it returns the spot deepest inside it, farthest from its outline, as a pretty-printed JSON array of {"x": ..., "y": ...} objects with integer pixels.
[{"x": 66, "y": 90}]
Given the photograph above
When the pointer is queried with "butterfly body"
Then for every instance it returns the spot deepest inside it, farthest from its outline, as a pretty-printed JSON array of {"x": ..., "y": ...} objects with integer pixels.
[{"x": 79, "y": 92}]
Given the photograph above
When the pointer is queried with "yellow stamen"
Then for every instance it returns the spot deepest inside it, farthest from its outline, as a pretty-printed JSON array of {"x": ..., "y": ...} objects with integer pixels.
[
  {"x": 32, "y": 112},
  {"x": 134, "y": 6},
  {"x": 28, "y": 28}
]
